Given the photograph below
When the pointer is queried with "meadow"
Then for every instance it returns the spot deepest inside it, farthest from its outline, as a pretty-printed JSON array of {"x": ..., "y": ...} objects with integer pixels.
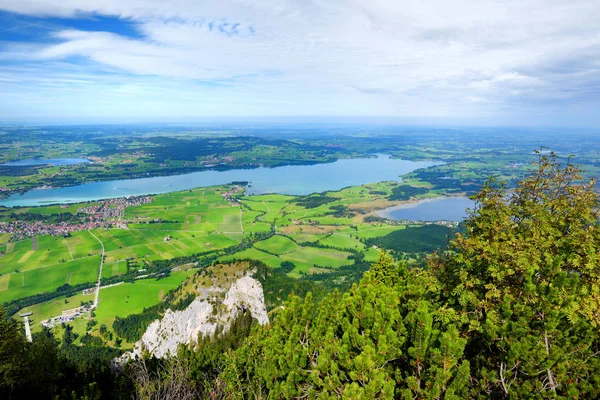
[
  {"x": 317, "y": 234},
  {"x": 47, "y": 279},
  {"x": 130, "y": 298},
  {"x": 277, "y": 245}
]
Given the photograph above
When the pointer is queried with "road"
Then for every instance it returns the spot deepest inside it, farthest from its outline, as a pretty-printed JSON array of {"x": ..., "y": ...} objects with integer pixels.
[{"x": 99, "y": 272}]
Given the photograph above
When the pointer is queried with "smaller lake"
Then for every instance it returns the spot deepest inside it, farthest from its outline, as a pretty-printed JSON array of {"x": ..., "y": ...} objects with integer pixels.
[
  {"x": 45, "y": 161},
  {"x": 438, "y": 209}
]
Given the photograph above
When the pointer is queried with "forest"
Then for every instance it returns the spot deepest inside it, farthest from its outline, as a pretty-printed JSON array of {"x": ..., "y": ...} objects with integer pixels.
[
  {"x": 510, "y": 309},
  {"x": 425, "y": 239}
]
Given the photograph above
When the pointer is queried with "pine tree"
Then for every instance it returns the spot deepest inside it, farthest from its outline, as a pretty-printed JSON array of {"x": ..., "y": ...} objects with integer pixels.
[
  {"x": 386, "y": 337},
  {"x": 13, "y": 355},
  {"x": 526, "y": 280}
]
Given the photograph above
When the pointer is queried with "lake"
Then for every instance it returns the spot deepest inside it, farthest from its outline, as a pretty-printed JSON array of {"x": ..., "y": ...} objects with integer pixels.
[
  {"x": 296, "y": 180},
  {"x": 46, "y": 161},
  {"x": 438, "y": 209}
]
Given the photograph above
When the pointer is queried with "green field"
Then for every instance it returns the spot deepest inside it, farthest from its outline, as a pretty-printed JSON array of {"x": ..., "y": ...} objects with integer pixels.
[
  {"x": 199, "y": 210},
  {"x": 196, "y": 221},
  {"x": 349, "y": 241},
  {"x": 310, "y": 259},
  {"x": 277, "y": 245},
  {"x": 254, "y": 254},
  {"x": 342, "y": 240},
  {"x": 305, "y": 237},
  {"x": 130, "y": 298},
  {"x": 33, "y": 253},
  {"x": 113, "y": 269},
  {"x": 4, "y": 237},
  {"x": 47, "y": 279},
  {"x": 269, "y": 206},
  {"x": 81, "y": 244},
  {"x": 371, "y": 232}
]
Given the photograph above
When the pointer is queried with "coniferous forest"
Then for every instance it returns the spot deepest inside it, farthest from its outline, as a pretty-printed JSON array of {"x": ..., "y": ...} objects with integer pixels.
[{"x": 510, "y": 309}]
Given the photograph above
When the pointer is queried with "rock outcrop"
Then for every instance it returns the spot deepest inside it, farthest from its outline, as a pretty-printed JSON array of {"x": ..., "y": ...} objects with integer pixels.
[{"x": 211, "y": 309}]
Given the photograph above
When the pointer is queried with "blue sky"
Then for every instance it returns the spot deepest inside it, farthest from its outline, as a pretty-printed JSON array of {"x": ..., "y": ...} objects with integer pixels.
[{"x": 526, "y": 62}]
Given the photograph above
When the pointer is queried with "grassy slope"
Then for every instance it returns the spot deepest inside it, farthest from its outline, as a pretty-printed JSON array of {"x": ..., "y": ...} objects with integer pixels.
[
  {"x": 40, "y": 280},
  {"x": 277, "y": 245},
  {"x": 130, "y": 298}
]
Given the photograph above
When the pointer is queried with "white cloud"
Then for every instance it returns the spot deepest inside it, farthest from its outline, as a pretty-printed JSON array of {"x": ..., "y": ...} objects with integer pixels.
[{"x": 330, "y": 57}]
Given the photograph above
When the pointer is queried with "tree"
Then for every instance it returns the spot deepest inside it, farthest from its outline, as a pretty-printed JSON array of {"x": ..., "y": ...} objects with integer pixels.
[
  {"x": 26, "y": 369},
  {"x": 13, "y": 351},
  {"x": 68, "y": 335},
  {"x": 384, "y": 338},
  {"x": 526, "y": 280},
  {"x": 384, "y": 270}
]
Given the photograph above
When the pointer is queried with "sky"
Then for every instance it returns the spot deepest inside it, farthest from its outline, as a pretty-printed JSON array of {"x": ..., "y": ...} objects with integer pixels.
[{"x": 511, "y": 62}]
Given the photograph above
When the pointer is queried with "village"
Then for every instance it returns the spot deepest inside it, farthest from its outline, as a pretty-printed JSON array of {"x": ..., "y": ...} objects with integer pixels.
[{"x": 107, "y": 214}]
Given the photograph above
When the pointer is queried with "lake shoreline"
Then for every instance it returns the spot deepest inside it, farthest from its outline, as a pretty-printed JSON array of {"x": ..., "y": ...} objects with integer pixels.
[
  {"x": 388, "y": 212},
  {"x": 54, "y": 162},
  {"x": 289, "y": 179}
]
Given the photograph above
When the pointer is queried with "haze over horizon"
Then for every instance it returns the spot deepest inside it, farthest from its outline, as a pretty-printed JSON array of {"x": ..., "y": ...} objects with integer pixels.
[{"x": 479, "y": 62}]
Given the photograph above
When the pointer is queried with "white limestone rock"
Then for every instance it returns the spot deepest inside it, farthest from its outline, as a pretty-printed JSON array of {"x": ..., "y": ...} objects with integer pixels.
[
  {"x": 247, "y": 291},
  {"x": 201, "y": 318}
]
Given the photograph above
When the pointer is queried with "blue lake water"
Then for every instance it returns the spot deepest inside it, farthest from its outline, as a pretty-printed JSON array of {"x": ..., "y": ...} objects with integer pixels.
[
  {"x": 439, "y": 209},
  {"x": 297, "y": 180},
  {"x": 46, "y": 161}
]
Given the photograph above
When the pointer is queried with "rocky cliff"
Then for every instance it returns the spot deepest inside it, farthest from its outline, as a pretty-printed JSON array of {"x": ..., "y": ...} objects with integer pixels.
[{"x": 212, "y": 308}]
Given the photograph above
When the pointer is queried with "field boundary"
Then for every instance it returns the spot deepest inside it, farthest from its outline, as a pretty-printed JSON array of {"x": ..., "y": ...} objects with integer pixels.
[
  {"x": 4, "y": 282},
  {"x": 68, "y": 247}
]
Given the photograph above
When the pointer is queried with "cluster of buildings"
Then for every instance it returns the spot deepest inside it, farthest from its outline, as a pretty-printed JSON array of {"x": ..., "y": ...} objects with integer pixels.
[
  {"x": 211, "y": 161},
  {"x": 67, "y": 316},
  {"x": 113, "y": 208},
  {"x": 21, "y": 229},
  {"x": 449, "y": 224},
  {"x": 228, "y": 195},
  {"x": 105, "y": 215}
]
